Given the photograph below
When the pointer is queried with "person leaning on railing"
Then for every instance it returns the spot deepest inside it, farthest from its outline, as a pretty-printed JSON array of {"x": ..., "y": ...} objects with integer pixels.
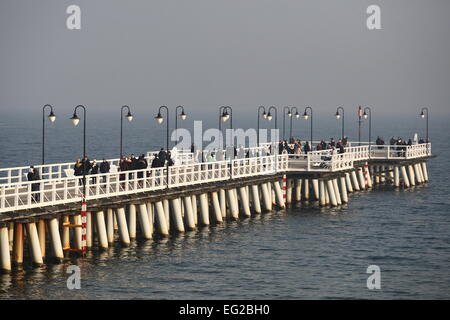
[{"x": 33, "y": 175}]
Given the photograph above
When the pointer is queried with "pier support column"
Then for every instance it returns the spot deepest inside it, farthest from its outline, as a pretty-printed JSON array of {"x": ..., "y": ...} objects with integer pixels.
[
  {"x": 322, "y": 196},
  {"x": 298, "y": 190},
  {"x": 396, "y": 177},
  {"x": 102, "y": 234},
  {"x": 123, "y": 228},
  {"x": 223, "y": 203},
  {"x": 65, "y": 233},
  {"x": 53, "y": 227},
  {"x": 5, "y": 257},
  {"x": 424, "y": 170},
  {"x": 315, "y": 183},
  {"x": 279, "y": 194},
  {"x": 383, "y": 174},
  {"x": 289, "y": 187},
  {"x": 41, "y": 235},
  {"x": 166, "y": 212},
  {"x": 266, "y": 197},
  {"x": 195, "y": 208},
  {"x": 417, "y": 173},
  {"x": 411, "y": 176},
  {"x": 18, "y": 243},
  {"x": 355, "y": 181},
  {"x": 188, "y": 214},
  {"x": 144, "y": 221},
  {"x": 343, "y": 190},
  {"x": 369, "y": 178},
  {"x": 176, "y": 215},
  {"x": 405, "y": 177},
  {"x": 77, "y": 231},
  {"x": 161, "y": 221},
  {"x": 132, "y": 221},
  {"x": 216, "y": 206},
  {"x": 306, "y": 190},
  {"x": 234, "y": 210},
  {"x": 204, "y": 209},
  {"x": 35, "y": 247},
  {"x": 89, "y": 229},
  {"x": 151, "y": 216},
  {"x": 255, "y": 197},
  {"x": 245, "y": 201},
  {"x": 327, "y": 194},
  {"x": 331, "y": 193},
  {"x": 348, "y": 182},
  {"x": 336, "y": 192},
  {"x": 109, "y": 225},
  {"x": 362, "y": 183}
]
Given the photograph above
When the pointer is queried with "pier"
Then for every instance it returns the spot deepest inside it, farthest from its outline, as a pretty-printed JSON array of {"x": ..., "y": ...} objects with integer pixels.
[{"x": 57, "y": 221}]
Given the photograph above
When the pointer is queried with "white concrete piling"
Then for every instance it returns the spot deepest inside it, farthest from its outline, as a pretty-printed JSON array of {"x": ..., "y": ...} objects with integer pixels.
[
  {"x": 41, "y": 235},
  {"x": 355, "y": 181},
  {"x": 161, "y": 221},
  {"x": 348, "y": 183},
  {"x": 66, "y": 233},
  {"x": 234, "y": 209},
  {"x": 424, "y": 170},
  {"x": 195, "y": 208},
  {"x": 331, "y": 193},
  {"x": 102, "y": 234},
  {"x": 343, "y": 186},
  {"x": 405, "y": 177},
  {"x": 298, "y": 190},
  {"x": 383, "y": 174},
  {"x": 412, "y": 178},
  {"x": 417, "y": 173},
  {"x": 315, "y": 183},
  {"x": 362, "y": 183},
  {"x": 189, "y": 221},
  {"x": 109, "y": 225},
  {"x": 322, "y": 196},
  {"x": 35, "y": 247},
  {"x": 396, "y": 177},
  {"x": 123, "y": 228},
  {"x": 223, "y": 203},
  {"x": 132, "y": 221},
  {"x": 255, "y": 199},
  {"x": 77, "y": 231},
  {"x": 306, "y": 190},
  {"x": 279, "y": 194},
  {"x": 53, "y": 227},
  {"x": 204, "y": 210},
  {"x": 216, "y": 206},
  {"x": 245, "y": 203},
  {"x": 144, "y": 221},
  {"x": 151, "y": 216},
  {"x": 336, "y": 192},
  {"x": 18, "y": 243},
  {"x": 266, "y": 197},
  {"x": 5, "y": 256},
  {"x": 289, "y": 187},
  {"x": 167, "y": 213},
  {"x": 176, "y": 215}
]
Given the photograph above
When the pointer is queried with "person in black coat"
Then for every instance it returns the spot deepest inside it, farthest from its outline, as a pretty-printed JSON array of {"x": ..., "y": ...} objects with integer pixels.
[
  {"x": 94, "y": 170},
  {"x": 104, "y": 168},
  {"x": 162, "y": 155},
  {"x": 33, "y": 175}
]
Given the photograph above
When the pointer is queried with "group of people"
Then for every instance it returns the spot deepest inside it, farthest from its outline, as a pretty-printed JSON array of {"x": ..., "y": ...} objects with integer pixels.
[
  {"x": 297, "y": 147},
  {"x": 162, "y": 158},
  {"x": 87, "y": 167}
]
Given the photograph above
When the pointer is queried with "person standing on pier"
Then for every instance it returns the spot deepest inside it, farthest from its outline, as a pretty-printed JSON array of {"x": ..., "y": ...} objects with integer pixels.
[
  {"x": 162, "y": 155},
  {"x": 104, "y": 168},
  {"x": 33, "y": 175},
  {"x": 94, "y": 171}
]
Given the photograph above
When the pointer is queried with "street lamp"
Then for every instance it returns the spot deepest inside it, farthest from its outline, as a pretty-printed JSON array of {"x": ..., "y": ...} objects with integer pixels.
[
  {"x": 160, "y": 119},
  {"x": 296, "y": 115},
  {"x": 289, "y": 113},
  {"x": 75, "y": 120},
  {"x": 51, "y": 117},
  {"x": 365, "y": 116},
  {"x": 269, "y": 117},
  {"x": 340, "y": 113},
  {"x": 264, "y": 115},
  {"x": 306, "y": 116},
  {"x": 183, "y": 116},
  {"x": 425, "y": 115},
  {"x": 129, "y": 117},
  {"x": 224, "y": 116}
]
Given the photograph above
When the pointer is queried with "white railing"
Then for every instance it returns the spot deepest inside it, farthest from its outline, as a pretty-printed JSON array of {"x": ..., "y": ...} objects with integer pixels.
[
  {"x": 400, "y": 151},
  {"x": 28, "y": 195}
]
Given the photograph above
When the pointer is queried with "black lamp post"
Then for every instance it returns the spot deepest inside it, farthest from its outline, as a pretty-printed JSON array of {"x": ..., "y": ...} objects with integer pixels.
[
  {"x": 369, "y": 115},
  {"x": 425, "y": 115},
  {"x": 51, "y": 118},
  {"x": 340, "y": 113},
  {"x": 289, "y": 113},
  {"x": 264, "y": 115},
  {"x": 129, "y": 118},
  {"x": 75, "y": 120},
  {"x": 296, "y": 115},
  {"x": 160, "y": 119},
  {"x": 269, "y": 116},
  {"x": 224, "y": 116},
  {"x": 183, "y": 116},
  {"x": 306, "y": 116}
]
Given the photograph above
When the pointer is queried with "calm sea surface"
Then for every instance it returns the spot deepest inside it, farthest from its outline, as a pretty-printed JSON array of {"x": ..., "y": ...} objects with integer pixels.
[{"x": 301, "y": 253}]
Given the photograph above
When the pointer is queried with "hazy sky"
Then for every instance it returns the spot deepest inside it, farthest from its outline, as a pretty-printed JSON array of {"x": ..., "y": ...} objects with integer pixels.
[{"x": 207, "y": 53}]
